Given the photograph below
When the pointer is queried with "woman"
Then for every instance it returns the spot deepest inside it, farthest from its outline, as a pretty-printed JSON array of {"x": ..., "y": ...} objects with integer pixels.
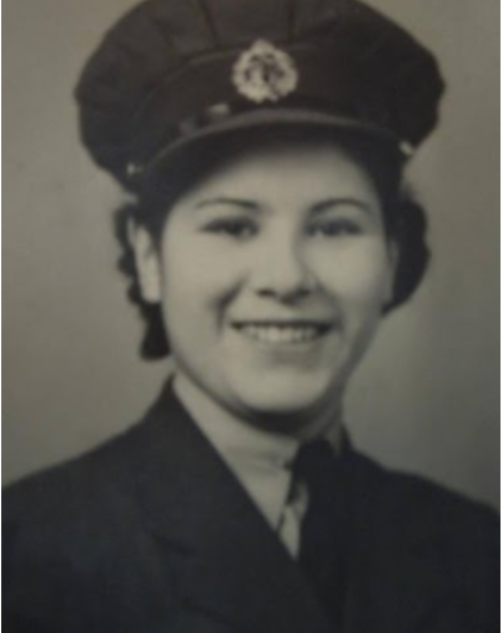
[{"x": 270, "y": 233}]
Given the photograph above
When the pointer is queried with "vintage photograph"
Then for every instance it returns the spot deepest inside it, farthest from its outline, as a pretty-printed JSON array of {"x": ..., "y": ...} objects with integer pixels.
[{"x": 251, "y": 322}]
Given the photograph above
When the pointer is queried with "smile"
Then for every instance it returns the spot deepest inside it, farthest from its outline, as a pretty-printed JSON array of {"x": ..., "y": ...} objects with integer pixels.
[{"x": 283, "y": 333}]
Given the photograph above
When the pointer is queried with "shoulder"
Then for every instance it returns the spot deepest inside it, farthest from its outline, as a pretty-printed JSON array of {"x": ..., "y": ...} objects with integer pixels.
[
  {"x": 419, "y": 502},
  {"x": 457, "y": 534},
  {"x": 72, "y": 524},
  {"x": 73, "y": 502},
  {"x": 76, "y": 548},
  {"x": 95, "y": 502},
  {"x": 96, "y": 495}
]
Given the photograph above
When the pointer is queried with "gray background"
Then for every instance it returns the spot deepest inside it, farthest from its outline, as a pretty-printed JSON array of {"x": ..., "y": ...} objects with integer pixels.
[{"x": 425, "y": 400}]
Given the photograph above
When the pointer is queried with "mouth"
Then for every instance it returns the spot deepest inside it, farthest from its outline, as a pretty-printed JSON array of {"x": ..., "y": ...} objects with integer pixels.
[{"x": 277, "y": 333}]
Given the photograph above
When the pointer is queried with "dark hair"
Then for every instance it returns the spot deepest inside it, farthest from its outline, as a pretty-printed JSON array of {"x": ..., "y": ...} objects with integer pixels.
[{"x": 404, "y": 217}]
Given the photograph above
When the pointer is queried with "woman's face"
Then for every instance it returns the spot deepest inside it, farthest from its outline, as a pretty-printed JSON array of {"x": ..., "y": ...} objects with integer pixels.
[{"x": 272, "y": 273}]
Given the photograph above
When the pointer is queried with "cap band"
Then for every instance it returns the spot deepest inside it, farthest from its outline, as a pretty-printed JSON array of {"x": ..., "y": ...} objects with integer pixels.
[{"x": 227, "y": 117}]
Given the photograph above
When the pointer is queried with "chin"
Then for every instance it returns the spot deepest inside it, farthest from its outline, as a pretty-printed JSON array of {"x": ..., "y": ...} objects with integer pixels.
[{"x": 285, "y": 400}]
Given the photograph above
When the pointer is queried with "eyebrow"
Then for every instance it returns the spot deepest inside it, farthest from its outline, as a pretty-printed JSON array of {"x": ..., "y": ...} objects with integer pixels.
[
  {"x": 326, "y": 205},
  {"x": 248, "y": 205}
]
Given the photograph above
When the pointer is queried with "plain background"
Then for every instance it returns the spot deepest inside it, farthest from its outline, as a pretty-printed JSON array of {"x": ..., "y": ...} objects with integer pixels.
[{"x": 426, "y": 398}]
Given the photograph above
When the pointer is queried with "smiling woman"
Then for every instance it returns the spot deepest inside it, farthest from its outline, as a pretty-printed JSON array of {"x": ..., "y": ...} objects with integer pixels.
[
  {"x": 273, "y": 272},
  {"x": 264, "y": 144}
]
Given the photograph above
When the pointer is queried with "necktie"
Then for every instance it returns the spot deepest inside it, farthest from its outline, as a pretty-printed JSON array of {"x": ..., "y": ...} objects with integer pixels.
[{"x": 324, "y": 535}]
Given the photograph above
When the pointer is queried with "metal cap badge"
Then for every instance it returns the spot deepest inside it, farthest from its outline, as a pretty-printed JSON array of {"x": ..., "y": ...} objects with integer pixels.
[{"x": 265, "y": 73}]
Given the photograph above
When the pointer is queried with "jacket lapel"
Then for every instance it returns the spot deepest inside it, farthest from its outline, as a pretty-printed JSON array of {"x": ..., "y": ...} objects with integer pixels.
[{"x": 236, "y": 574}]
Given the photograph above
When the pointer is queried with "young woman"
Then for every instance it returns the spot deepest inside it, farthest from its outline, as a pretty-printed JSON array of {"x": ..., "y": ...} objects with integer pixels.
[{"x": 271, "y": 232}]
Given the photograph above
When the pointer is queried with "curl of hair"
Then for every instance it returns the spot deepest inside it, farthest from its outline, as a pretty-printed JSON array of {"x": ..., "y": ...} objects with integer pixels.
[
  {"x": 413, "y": 251},
  {"x": 154, "y": 343}
]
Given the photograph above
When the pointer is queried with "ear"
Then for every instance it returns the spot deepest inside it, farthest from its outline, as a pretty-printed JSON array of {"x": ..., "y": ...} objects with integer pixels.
[
  {"x": 148, "y": 262},
  {"x": 393, "y": 259}
]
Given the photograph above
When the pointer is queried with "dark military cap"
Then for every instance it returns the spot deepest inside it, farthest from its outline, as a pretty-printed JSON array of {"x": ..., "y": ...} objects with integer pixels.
[{"x": 172, "y": 72}]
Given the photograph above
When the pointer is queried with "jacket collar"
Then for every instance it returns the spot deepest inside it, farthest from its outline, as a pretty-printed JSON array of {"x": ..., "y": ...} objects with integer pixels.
[{"x": 238, "y": 571}]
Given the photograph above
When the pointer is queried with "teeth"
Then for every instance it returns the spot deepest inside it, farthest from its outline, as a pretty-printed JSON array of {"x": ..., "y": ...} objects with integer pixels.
[{"x": 278, "y": 334}]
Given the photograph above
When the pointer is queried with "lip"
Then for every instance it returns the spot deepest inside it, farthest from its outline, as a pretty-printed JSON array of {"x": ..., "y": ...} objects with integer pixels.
[
  {"x": 283, "y": 333},
  {"x": 282, "y": 322}
]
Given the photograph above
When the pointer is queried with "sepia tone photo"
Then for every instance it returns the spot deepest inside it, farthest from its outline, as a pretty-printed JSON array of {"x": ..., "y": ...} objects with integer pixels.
[{"x": 251, "y": 367}]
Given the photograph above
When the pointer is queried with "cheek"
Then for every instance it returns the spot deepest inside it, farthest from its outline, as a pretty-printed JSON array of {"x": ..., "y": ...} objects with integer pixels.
[
  {"x": 196, "y": 281},
  {"x": 358, "y": 273}
]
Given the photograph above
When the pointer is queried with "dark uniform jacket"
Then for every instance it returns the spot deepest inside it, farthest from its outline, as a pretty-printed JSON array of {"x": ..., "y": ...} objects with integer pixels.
[{"x": 151, "y": 533}]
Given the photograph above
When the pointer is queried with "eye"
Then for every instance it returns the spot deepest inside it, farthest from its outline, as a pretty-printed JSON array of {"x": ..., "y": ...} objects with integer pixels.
[
  {"x": 238, "y": 228},
  {"x": 339, "y": 227}
]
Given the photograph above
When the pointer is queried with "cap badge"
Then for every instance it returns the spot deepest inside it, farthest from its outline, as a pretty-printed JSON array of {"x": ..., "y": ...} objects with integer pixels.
[{"x": 265, "y": 73}]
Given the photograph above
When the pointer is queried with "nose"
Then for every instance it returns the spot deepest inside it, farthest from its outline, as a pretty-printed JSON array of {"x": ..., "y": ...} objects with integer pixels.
[{"x": 281, "y": 270}]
